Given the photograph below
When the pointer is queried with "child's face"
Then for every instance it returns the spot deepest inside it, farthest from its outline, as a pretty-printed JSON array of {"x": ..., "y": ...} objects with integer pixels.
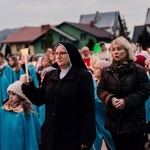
[
  {"x": 10, "y": 61},
  {"x": 97, "y": 72},
  {"x": 13, "y": 97},
  {"x": 22, "y": 59},
  {"x": 52, "y": 57},
  {"x": 1, "y": 59}
]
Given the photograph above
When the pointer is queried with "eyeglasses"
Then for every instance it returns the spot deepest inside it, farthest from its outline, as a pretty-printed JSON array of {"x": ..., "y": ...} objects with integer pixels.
[{"x": 60, "y": 53}]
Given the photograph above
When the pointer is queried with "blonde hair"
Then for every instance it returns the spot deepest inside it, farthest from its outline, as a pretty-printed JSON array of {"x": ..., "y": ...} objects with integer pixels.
[
  {"x": 123, "y": 42},
  {"x": 133, "y": 47}
]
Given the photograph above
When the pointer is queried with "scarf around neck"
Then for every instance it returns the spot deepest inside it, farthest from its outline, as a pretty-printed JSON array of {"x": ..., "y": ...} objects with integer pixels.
[
  {"x": 120, "y": 66},
  {"x": 17, "y": 107}
]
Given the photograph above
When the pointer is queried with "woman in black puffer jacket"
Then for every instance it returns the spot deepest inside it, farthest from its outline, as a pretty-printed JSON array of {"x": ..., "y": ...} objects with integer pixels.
[{"x": 124, "y": 88}]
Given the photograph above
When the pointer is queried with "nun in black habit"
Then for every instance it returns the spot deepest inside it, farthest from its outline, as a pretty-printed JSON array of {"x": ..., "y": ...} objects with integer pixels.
[{"x": 68, "y": 95}]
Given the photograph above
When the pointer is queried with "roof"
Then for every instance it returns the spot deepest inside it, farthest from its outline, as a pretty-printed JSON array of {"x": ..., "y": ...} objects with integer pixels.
[
  {"x": 147, "y": 20},
  {"x": 100, "y": 33},
  {"x": 4, "y": 33},
  {"x": 137, "y": 31},
  {"x": 64, "y": 34},
  {"x": 102, "y": 20},
  {"x": 25, "y": 34}
]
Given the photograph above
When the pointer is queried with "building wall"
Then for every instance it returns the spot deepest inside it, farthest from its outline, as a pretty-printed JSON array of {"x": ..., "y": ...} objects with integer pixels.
[
  {"x": 14, "y": 50},
  {"x": 76, "y": 33},
  {"x": 56, "y": 38},
  {"x": 38, "y": 47},
  {"x": 31, "y": 48}
]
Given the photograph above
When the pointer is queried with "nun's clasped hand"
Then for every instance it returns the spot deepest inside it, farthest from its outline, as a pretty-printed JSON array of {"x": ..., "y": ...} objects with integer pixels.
[
  {"x": 25, "y": 79},
  {"x": 118, "y": 103}
]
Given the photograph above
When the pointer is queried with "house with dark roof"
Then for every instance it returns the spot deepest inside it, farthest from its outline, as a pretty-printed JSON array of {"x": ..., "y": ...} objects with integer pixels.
[
  {"x": 83, "y": 33},
  {"x": 34, "y": 39},
  {"x": 141, "y": 34},
  {"x": 147, "y": 20},
  {"x": 4, "y": 33},
  {"x": 109, "y": 21},
  {"x": 26, "y": 37},
  {"x": 59, "y": 35},
  {"x": 137, "y": 31}
]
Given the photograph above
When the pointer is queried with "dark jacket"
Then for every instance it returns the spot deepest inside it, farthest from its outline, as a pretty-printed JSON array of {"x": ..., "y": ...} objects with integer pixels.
[
  {"x": 133, "y": 86},
  {"x": 69, "y": 102}
]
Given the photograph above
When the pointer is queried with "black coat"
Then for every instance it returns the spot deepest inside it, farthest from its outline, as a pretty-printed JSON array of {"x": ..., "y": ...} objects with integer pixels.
[
  {"x": 69, "y": 120},
  {"x": 134, "y": 87}
]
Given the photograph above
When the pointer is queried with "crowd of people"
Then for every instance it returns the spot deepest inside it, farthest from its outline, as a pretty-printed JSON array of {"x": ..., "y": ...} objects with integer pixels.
[{"x": 75, "y": 100}]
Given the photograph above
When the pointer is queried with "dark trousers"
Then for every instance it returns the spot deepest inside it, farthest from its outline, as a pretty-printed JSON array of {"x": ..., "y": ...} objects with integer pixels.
[{"x": 130, "y": 141}]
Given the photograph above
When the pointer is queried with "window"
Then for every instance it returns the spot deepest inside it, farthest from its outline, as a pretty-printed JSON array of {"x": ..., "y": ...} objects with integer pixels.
[
  {"x": 83, "y": 36},
  {"x": 62, "y": 38},
  {"x": 117, "y": 32},
  {"x": 43, "y": 43},
  {"x": 19, "y": 46},
  {"x": 148, "y": 29}
]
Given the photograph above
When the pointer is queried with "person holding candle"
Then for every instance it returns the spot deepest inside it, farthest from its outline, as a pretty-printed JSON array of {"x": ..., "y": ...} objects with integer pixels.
[
  {"x": 28, "y": 68},
  {"x": 68, "y": 95}
]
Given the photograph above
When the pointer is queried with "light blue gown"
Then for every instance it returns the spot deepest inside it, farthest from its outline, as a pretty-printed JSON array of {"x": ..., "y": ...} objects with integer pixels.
[
  {"x": 7, "y": 71},
  {"x": 18, "y": 132},
  {"x": 33, "y": 74},
  {"x": 41, "y": 109},
  {"x": 6, "y": 78},
  {"x": 17, "y": 74},
  {"x": 101, "y": 132}
]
